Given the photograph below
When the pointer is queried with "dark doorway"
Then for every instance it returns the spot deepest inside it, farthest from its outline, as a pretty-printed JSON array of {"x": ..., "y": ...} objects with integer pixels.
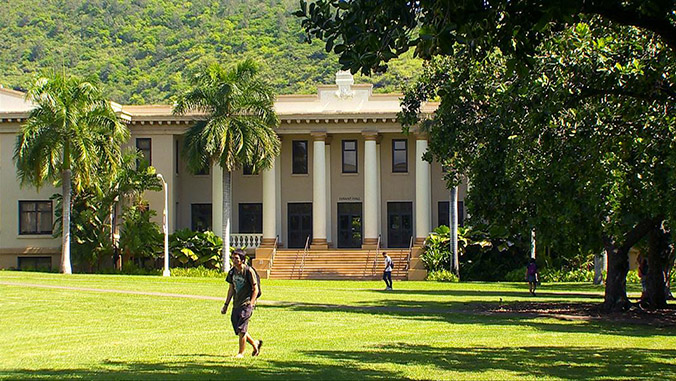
[
  {"x": 300, "y": 224},
  {"x": 399, "y": 224},
  {"x": 349, "y": 224}
]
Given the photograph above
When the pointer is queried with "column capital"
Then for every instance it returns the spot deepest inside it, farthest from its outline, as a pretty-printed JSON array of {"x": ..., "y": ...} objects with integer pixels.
[
  {"x": 370, "y": 135},
  {"x": 319, "y": 136}
]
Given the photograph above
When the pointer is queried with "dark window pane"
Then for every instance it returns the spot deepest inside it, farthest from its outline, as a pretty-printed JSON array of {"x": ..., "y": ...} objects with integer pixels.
[
  {"x": 299, "y": 156},
  {"x": 251, "y": 218},
  {"x": 144, "y": 147},
  {"x": 35, "y": 217},
  {"x": 35, "y": 263},
  {"x": 200, "y": 217},
  {"x": 349, "y": 156},
  {"x": 444, "y": 212},
  {"x": 399, "y": 156}
]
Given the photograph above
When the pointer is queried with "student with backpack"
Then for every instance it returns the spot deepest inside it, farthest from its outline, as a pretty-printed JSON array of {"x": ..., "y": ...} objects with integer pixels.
[
  {"x": 532, "y": 275},
  {"x": 387, "y": 272},
  {"x": 244, "y": 290}
]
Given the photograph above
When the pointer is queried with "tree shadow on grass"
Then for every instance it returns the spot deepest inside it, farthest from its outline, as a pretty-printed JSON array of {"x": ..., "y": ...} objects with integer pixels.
[
  {"x": 559, "y": 362},
  {"x": 467, "y": 313},
  {"x": 566, "y": 362},
  {"x": 204, "y": 367},
  {"x": 495, "y": 294}
]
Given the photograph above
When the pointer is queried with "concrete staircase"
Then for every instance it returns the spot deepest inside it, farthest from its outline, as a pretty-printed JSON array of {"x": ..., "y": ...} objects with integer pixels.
[{"x": 354, "y": 264}]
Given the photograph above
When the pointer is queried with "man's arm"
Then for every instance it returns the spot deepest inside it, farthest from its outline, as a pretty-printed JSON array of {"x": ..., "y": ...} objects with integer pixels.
[{"x": 231, "y": 292}]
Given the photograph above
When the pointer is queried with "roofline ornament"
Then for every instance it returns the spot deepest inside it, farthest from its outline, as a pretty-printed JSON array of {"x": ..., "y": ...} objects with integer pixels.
[{"x": 344, "y": 80}]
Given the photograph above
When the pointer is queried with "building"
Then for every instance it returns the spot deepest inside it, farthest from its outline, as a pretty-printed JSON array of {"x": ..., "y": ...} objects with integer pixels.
[{"x": 346, "y": 178}]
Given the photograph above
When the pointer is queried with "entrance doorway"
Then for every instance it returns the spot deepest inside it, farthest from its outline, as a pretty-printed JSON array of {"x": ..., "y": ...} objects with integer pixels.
[
  {"x": 349, "y": 225},
  {"x": 300, "y": 224},
  {"x": 399, "y": 224}
]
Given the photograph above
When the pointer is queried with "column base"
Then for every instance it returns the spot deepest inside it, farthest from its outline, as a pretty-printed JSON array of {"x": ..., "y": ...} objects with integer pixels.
[
  {"x": 268, "y": 242},
  {"x": 419, "y": 241},
  {"x": 369, "y": 243},
  {"x": 319, "y": 244}
]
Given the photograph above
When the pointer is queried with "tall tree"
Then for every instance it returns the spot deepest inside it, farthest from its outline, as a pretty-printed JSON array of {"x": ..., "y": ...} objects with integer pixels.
[
  {"x": 71, "y": 133},
  {"x": 583, "y": 145},
  {"x": 239, "y": 127}
]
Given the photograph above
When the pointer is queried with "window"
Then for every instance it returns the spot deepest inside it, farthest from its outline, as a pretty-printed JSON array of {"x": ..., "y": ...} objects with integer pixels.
[
  {"x": 35, "y": 217},
  {"x": 176, "y": 157},
  {"x": 399, "y": 156},
  {"x": 251, "y": 218},
  {"x": 247, "y": 170},
  {"x": 444, "y": 213},
  {"x": 143, "y": 145},
  {"x": 349, "y": 156},
  {"x": 200, "y": 217},
  {"x": 299, "y": 157},
  {"x": 34, "y": 263}
]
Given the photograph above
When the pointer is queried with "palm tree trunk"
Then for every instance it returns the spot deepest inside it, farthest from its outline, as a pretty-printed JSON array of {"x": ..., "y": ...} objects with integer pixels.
[
  {"x": 65, "y": 245},
  {"x": 227, "y": 209}
]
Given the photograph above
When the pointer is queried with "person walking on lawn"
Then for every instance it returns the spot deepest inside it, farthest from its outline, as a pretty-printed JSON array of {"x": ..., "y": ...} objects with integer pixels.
[
  {"x": 387, "y": 273},
  {"x": 243, "y": 291}
]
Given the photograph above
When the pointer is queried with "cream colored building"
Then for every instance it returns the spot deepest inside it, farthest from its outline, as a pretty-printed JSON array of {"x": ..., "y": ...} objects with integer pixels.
[{"x": 346, "y": 177}]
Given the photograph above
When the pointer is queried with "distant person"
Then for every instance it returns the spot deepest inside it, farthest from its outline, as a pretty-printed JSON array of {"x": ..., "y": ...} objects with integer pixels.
[
  {"x": 532, "y": 275},
  {"x": 387, "y": 273},
  {"x": 243, "y": 291}
]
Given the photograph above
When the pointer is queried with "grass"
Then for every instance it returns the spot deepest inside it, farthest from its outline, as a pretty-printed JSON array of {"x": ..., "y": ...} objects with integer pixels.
[{"x": 312, "y": 330}]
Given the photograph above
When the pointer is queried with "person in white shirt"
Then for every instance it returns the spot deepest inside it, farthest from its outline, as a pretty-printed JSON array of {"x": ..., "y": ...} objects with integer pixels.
[{"x": 387, "y": 273}]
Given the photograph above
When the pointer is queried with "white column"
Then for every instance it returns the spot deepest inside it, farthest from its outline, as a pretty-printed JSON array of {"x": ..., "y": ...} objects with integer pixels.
[
  {"x": 217, "y": 199},
  {"x": 269, "y": 205},
  {"x": 370, "y": 218},
  {"x": 278, "y": 199},
  {"x": 319, "y": 191},
  {"x": 422, "y": 191},
  {"x": 379, "y": 215},
  {"x": 329, "y": 210}
]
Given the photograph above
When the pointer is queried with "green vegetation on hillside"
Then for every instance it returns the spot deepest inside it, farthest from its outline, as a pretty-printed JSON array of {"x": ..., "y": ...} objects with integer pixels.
[{"x": 144, "y": 50}]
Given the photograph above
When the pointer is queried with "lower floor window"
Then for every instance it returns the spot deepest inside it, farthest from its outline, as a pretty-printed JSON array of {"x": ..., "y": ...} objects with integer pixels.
[
  {"x": 34, "y": 263},
  {"x": 251, "y": 218},
  {"x": 444, "y": 213},
  {"x": 200, "y": 217},
  {"x": 35, "y": 217}
]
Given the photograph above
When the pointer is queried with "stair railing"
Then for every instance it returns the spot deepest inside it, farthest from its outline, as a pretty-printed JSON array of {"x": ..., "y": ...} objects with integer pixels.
[
  {"x": 305, "y": 250},
  {"x": 375, "y": 260},
  {"x": 410, "y": 253},
  {"x": 274, "y": 252}
]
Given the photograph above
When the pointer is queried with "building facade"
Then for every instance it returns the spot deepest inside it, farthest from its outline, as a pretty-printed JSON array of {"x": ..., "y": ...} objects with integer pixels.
[{"x": 347, "y": 177}]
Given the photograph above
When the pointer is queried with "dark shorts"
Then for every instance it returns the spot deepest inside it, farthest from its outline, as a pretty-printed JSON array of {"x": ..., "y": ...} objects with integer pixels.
[
  {"x": 240, "y": 318},
  {"x": 531, "y": 279}
]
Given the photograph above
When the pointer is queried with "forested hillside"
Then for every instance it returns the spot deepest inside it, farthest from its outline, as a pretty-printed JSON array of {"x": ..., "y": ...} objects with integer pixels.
[{"x": 143, "y": 51}]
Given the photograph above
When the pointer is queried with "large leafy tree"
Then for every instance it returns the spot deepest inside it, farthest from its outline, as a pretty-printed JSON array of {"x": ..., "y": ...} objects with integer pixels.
[
  {"x": 71, "y": 135},
  {"x": 238, "y": 129},
  {"x": 369, "y": 33},
  {"x": 581, "y": 149}
]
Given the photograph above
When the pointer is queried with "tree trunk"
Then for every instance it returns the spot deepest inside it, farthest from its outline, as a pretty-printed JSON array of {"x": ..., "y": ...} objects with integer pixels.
[
  {"x": 616, "y": 281},
  {"x": 227, "y": 209},
  {"x": 65, "y": 244},
  {"x": 455, "y": 265},
  {"x": 660, "y": 250}
]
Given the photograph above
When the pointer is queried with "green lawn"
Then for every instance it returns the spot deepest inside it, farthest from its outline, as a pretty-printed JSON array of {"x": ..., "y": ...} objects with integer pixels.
[{"x": 318, "y": 330}]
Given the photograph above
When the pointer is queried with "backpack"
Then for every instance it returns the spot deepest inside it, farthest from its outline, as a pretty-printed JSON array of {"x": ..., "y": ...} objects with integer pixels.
[{"x": 258, "y": 281}]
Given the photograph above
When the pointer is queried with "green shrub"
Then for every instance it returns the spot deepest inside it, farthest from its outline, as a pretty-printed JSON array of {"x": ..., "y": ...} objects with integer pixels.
[
  {"x": 516, "y": 275},
  {"x": 140, "y": 238},
  {"x": 564, "y": 275},
  {"x": 193, "y": 249},
  {"x": 442, "y": 276},
  {"x": 436, "y": 252},
  {"x": 197, "y": 272}
]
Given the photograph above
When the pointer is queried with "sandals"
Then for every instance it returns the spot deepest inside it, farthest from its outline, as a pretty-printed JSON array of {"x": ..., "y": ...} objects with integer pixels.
[{"x": 257, "y": 350}]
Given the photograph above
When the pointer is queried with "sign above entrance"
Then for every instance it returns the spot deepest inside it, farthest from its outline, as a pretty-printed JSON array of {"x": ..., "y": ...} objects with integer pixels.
[{"x": 349, "y": 198}]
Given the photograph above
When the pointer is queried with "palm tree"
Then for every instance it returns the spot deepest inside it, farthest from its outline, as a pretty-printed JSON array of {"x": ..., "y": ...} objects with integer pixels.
[
  {"x": 69, "y": 136},
  {"x": 238, "y": 128}
]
